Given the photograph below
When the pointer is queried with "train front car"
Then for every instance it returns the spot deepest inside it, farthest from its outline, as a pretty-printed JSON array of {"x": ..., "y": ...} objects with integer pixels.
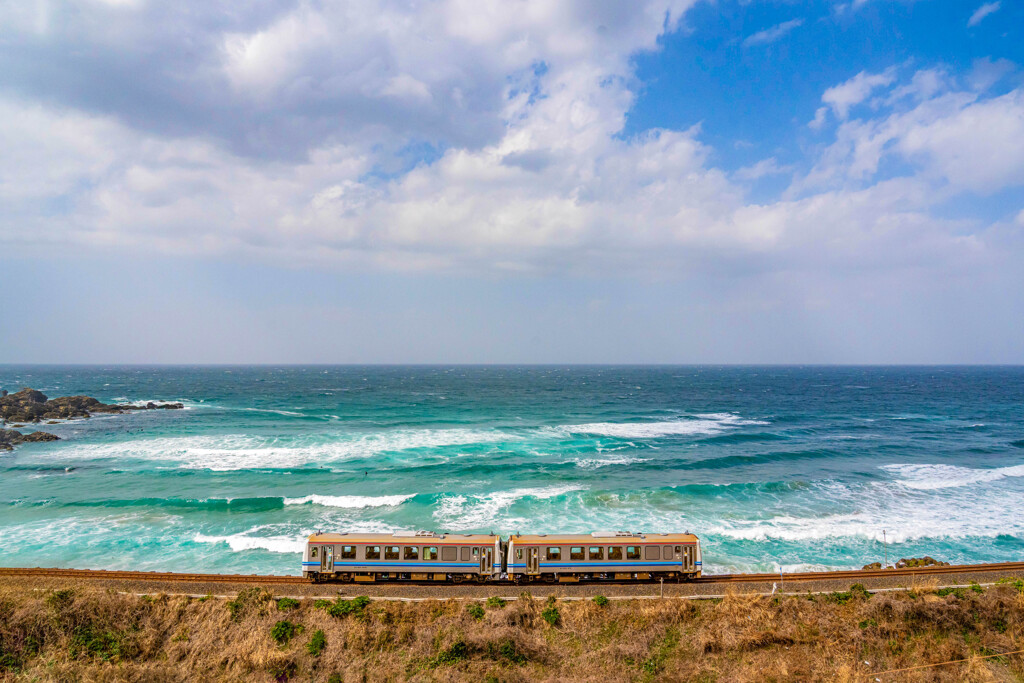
[
  {"x": 403, "y": 556},
  {"x": 603, "y": 556}
]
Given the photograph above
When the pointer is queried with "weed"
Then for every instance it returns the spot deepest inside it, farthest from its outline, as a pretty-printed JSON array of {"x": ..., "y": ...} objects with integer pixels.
[
  {"x": 867, "y": 623},
  {"x": 284, "y": 631},
  {"x": 856, "y": 592},
  {"x": 601, "y": 601},
  {"x": 317, "y": 643},
  {"x": 108, "y": 645},
  {"x": 282, "y": 671},
  {"x": 322, "y": 604},
  {"x": 287, "y": 604},
  {"x": 976, "y": 587},
  {"x": 551, "y": 615},
  {"x": 958, "y": 592},
  {"x": 495, "y": 602},
  {"x": 60, "y": 600},
  {"x": 475, "y": 611},
  {"x": 247, "y": 601},
  {"x": 335, "y": 678}
]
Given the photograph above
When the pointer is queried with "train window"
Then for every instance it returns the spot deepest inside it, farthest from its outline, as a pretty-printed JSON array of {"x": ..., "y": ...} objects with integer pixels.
[
  {"x": 411, "y": 553},
  {"x": 449, "y": 554},
  {"x": 596, "y": 553},
  {"x": 615, "y": 553},
  {"x": 519, "y": 553},
  {"x": 554, "y": 554},
  {"x": 430, "y": 553},
  {"x": 476, "y": 553},
  {"x": 313, "y": 553},
  {"x": 391, "y": 552},
  {"x": 576, "y": 553},
  {"x": 632, "y": 552},
  {"x": 678, "y": 549},
  {"x": 465, "y": 554},
  {"x": 652, "y": 552},
  {"x": 373, "y": 552},
  {"x": 348, "y": 552}
]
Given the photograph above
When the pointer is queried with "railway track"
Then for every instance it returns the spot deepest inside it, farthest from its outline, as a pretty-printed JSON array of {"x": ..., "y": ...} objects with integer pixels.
[{"x": 175, "y": 577}]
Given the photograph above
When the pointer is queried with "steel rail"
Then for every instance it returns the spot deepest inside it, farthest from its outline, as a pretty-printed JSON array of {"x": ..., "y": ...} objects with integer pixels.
[{"x": 175, "y": 577}]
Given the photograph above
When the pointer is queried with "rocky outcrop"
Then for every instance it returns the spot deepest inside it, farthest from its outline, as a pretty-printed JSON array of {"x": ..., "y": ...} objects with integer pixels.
[
  {"x": 926, "y": 561},
  {"x": 30, "y": 405},
  {"x": 10, "y": 438}
]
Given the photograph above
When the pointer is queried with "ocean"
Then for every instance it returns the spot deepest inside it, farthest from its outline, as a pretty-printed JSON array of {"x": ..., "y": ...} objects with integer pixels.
[{"x": 775, "y": 468}]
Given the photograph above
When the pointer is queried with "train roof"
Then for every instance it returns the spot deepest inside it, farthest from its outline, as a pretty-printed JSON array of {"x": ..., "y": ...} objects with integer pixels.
[
  {"x": 403, "y": 537},
  {"x": 605, "y": 537}
]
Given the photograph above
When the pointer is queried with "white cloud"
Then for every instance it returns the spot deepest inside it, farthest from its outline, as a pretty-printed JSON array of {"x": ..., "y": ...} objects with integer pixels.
[
  {"x": 982, "y": 12},
  {"x": 770, "y": 35},
  {"x": 854, "y": 91}
]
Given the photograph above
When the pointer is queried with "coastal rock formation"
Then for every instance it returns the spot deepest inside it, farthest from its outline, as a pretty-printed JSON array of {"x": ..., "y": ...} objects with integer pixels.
[
  {"x": 31, "y": 405},
  {"x": 926, "y": 561},
  {"x": 10, "y": 438}
]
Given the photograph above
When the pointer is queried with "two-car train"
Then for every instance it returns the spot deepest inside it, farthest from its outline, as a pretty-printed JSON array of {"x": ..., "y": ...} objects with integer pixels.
[{"x": 459, "y": 558}]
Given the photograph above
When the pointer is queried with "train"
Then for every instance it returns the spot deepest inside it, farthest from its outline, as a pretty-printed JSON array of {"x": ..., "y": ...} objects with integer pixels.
[{"x": 620, "y": 556}]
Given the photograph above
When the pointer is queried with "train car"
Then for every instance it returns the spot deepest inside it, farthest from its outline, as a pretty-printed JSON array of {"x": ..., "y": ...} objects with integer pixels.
[
  {"x": 602, "y": 556},
  {"x": 403, "y": 556}
]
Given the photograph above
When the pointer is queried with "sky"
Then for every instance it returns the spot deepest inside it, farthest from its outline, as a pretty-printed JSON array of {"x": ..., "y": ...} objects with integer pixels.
[{"x": 516, "y": 181}]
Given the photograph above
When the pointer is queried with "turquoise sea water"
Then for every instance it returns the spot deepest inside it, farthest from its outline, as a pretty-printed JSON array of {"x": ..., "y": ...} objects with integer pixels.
[{"x": 774, "y": 467}]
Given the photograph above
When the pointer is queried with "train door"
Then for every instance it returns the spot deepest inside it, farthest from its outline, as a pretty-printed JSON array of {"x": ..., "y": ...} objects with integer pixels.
[
  {"x": 689, "y": 564},
  {"x": 486, "y": 560},
  {"x": 327, "y": 558},
  {"x": 533, "y": 560}
]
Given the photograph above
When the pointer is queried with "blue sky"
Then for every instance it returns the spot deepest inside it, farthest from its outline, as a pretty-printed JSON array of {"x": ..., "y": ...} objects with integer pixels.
[{"x": 676, "y": 181}]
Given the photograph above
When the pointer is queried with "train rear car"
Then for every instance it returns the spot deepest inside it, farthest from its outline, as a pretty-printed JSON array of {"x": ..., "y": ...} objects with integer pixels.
[
  {"x": 603, "y": 556},
  {"x": 403, "y": 556}
]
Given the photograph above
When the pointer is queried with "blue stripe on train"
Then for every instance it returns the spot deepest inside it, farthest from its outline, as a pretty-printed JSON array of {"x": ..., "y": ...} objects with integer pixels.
[
  {"x": 601, "y": 564},
  {"x": 378, "y": 565}
]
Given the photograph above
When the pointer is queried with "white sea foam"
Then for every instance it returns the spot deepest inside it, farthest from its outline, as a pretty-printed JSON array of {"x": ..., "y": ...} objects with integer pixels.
[
  {"x": 928, "y": 477},
  {"x": 350, "y": 502},
  {"x": 243, "y": 541},
  {"x": 700, "y": 425},
  {"x": 610, "y": 459},
  {"x": 476, "y": 511},
  {"x": 238, "y": 452}
]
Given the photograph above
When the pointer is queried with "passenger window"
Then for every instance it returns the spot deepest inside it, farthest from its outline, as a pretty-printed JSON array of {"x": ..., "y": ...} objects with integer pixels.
[
  {"x": 412, "y": 552},
  {"x": 554, "y": 554},
  {"x": 652, "y": 552},
  {"x": 465, "y": 554},
  {"x": 678, "y": 549},
  {"x": 476, "y": 553},
  {"x": 391, "y": 552},
  {"x": 430, "y": 553},
  {"x": 615, "y": 553},
  {"x": 313, "y": 554},
  {"x": 632, "y": 552},
  {"x": 348, "y": 552},
  {"x": 373, "y": 552},
  {"x": 576, "y": 553},
  {"x": 449, "y": 554},
  {"x": 596, "y": 553},
  {"x": 519, "y": 553}
]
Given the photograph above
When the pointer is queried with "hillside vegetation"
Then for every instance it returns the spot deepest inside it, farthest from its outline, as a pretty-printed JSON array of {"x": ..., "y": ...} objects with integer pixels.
[{"x": 92, "y": 635}]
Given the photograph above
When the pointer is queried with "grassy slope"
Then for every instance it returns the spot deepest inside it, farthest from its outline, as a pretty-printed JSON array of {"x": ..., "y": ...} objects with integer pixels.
[{"x": 88, "y": 634}]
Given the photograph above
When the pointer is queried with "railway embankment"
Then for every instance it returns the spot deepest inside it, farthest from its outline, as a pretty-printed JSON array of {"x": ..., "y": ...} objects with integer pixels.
[{"x": 61, "y": 628}]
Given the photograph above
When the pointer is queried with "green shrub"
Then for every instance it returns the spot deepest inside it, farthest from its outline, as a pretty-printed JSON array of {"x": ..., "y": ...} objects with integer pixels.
[
  {"x": 284, "y": 631},
  {"x": 506, "y": 650},
  {"x": 335, "y": 678},
  {"x": 109, "y": 645},
  {"x": 59, "y": 600},
  {"x": 287, "y": 603},
  {"x": 601, "y": 601},
  {"x": 355, "y": 606},
  {"x": 551, "y": 615},
  {"x": 475, "y": 611},
  {"x": 456, "y": 653},
  {"x": 496, "y": 602},
  {"x": 317, "y": 643},
  {"x": 322, "y": 604}
]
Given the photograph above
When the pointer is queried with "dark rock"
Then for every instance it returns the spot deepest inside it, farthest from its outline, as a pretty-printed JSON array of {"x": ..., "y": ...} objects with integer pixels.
[
  {"x": 873, "y": 565},
  {"x": 926, "y": 561},
  {"x": 10, "y": 438}
]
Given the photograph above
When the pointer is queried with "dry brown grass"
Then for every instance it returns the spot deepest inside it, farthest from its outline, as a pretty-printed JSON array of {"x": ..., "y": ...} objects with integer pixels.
[{"x": 90, "y": 635}]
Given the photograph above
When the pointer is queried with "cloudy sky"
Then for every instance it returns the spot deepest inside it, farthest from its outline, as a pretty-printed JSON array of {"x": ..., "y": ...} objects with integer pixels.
[{"x": 512, "y": 181}]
